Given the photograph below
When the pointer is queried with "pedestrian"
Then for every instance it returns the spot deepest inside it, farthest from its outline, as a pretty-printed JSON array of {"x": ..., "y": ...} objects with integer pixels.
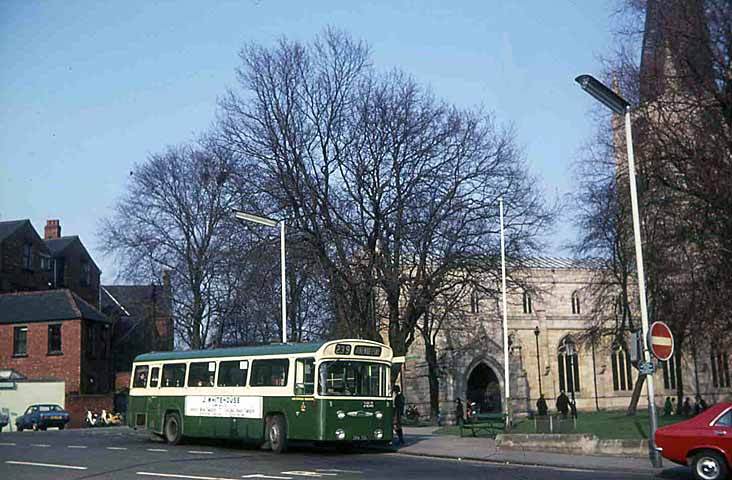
[
  {"x": 667, "y": 407},
  {"x": 439, "y": 417},
  {"x": 703, "y": 404},
  {"x": 686, "y": 408},
  {"x": 398, "y": 413},
  {"x": 674, "y": 409},
  {"x": 459, "y": 413},
  {"x": 563, "y": 404},
  {"x": 541, "y": 406},
  {"x": 573, "y": 407}
]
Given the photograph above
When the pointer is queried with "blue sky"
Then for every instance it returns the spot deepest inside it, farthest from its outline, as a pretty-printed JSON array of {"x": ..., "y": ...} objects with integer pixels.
[{"x": 88, "y": 89}]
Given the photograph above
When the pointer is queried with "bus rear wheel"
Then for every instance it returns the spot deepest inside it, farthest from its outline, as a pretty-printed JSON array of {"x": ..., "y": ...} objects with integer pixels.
[
  {"x": 172, "y": 429},
  {"x": 277, "y": 433}
]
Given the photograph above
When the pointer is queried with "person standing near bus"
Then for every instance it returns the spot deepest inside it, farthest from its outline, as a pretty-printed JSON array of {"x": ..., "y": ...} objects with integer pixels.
[{"x": 398, "y": 413}]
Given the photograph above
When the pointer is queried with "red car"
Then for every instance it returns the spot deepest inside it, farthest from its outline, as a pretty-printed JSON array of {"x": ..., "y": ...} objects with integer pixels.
[{"x": 703, "y": 442}]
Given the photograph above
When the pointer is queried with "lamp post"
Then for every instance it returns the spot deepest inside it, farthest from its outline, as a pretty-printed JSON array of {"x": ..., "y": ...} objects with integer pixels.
[
  {"x": 620, "y": 106},
  {"x": 507, "y": 382},
  {"x": 570, "y": 352},
  {"x": 272, "y": 223},
  {"x": 538, "y": 364}
]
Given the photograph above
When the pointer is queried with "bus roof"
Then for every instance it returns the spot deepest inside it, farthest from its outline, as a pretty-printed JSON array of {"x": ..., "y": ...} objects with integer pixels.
[{"x": 274, "y": 349}]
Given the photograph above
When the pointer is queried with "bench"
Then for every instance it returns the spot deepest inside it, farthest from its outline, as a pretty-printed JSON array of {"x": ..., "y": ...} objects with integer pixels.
[{"x": 489, "y": 422}]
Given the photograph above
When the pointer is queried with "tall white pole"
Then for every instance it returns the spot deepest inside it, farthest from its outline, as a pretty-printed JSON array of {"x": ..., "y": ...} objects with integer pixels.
[
  {"x": 282, "y": 270},
  {"x": 506, "y": 381},
  {"x": 655, "y": 457}
]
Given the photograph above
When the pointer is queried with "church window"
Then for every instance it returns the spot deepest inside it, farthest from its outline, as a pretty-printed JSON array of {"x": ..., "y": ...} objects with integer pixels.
[
  {"x": 528, "y": 306},
  {"x": 669, "y": 373},
  {"x": 622, "y": 371},
  {"x": 720, "y": 369},
  {"x": 568, "y": 363},
  {"x": 575, "y": 303}
]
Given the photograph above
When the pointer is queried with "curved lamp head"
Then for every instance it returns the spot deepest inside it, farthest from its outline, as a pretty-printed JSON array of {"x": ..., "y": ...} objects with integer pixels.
[{"x": 607, "y": 97}]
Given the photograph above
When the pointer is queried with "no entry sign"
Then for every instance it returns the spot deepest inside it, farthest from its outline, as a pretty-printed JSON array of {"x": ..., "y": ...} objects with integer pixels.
[{"x": 660, "y": 341}]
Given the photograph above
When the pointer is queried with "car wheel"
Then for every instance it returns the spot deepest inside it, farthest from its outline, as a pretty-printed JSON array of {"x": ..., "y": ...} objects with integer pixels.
[
  {"x": 19, "y": 428},
  {"x": 277, "y": 433},
  {"x": 172, "y": 429},
  {"x": 708, "y": 465},
  {"x": 61, "y": 427}
]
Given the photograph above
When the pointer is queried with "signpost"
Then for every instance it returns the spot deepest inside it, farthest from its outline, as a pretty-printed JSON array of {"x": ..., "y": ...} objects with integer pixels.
[
  {"x": 646, "y": 368},
  {"x": 660, "y": 341}
]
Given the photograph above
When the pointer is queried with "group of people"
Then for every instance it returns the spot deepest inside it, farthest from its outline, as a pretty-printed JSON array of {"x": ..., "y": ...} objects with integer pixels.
[
  {"x": 565, "y": 406},
  {"x": 669, "y": 407}
]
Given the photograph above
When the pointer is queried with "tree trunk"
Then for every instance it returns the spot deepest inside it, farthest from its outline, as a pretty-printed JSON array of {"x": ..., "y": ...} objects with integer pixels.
[
  {"x": 679, "y": 381},
  {"x": 433, "y": 374},
  {"x": 633, "y": 406}
]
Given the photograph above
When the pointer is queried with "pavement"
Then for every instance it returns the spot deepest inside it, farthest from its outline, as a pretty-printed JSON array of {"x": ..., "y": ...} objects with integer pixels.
[
  {"x": 122, "y": 453},
  {"x": 422, "y": 441}
]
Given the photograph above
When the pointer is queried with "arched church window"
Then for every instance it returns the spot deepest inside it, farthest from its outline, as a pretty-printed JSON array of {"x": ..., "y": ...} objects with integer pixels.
[
  {"x": 575, "y": 303},
  {"x": 720, "y": 368},
  {"x": 669, "y": 373},
  {"x": 622, "y": 371},
  {"x": 528, "y": 306},
  {"x": 568, "y": 363},
  {"x": 474, "y": 302}
]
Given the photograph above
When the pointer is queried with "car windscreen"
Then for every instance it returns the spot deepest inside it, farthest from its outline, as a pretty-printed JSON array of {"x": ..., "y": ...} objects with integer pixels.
[{"x": 353, "y": 379}]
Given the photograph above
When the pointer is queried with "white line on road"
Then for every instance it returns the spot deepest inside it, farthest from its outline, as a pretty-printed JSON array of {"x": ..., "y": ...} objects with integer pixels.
[
  {"x": 116, "y": 448},
  {"x": 305, "y": 473},
  {"x": 42, "y": 445},
  {"x": 202, "y": 452},
  {"x": 7, "y": 444},
  {"x": 157, "y": 450},
  {"x": 261, "y": 475},
  {"x": 76, "y": 446},
  {"x": 51, "y": 465},
  {"x": 337, "y": 470},
  {"x": 177, "y": 475}
]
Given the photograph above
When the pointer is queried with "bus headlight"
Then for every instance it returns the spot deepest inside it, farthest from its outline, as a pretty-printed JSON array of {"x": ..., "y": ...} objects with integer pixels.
[
  {"x": 340, "y": 434},
  {"x": 341, "y": 414},
  {"x": 379, "y": 415},
  {"x": 378, "y": 434}
]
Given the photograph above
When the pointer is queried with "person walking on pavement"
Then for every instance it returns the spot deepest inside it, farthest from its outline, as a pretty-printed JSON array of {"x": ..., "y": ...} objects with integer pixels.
[
  {"x": 398, "y": 413},
  {"x": 686, "y": 409},
  {"x": 541, "y": 406},
  {"x": 459, "y": 413},
  {"x": 563, "y": 404}
]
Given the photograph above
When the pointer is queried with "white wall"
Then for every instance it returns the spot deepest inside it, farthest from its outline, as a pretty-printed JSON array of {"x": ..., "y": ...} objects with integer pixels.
[{"x": 15, "y": 402}]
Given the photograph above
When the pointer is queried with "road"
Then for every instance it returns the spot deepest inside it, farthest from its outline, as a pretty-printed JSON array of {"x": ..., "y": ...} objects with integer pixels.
[{"x": 121, "y": 453}]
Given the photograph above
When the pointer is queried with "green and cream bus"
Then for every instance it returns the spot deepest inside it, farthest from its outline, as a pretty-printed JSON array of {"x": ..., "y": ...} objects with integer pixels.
[{"x": 337, "y": 391}]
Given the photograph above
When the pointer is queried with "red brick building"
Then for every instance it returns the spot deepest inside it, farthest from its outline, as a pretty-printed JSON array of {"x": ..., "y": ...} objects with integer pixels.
[
  {"x": 25, "y": 260},
  {"x": 55, "y": 334}
]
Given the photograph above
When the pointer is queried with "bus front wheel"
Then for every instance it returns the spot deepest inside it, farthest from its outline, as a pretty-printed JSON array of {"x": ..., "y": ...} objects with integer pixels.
[
  {"x": 277, "y": 433},
  {"x": 172, "y": 429}
]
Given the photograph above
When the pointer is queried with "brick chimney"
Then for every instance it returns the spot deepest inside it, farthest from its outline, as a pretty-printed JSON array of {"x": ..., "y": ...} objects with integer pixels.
[{"x": 52, "y": 230}]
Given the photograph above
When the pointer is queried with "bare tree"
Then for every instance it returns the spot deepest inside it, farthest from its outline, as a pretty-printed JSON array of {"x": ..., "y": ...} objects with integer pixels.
[{"x": 392, "y": 190}]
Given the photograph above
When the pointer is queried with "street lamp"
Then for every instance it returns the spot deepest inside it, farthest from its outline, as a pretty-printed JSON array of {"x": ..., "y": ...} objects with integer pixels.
[
  {"x": 507, "y": 382},
  {"x": 272, "y": 223},
  {"x": 538, "y": 364},
  {"x": 620, "y": 106}
]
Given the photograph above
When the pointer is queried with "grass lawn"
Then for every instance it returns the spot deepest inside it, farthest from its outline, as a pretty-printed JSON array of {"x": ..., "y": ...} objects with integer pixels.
[{"x": 604, "y": 424}]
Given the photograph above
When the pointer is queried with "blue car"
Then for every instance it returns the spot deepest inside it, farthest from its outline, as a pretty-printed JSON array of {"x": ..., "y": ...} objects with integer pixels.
[{"x": 40, "y": 417}]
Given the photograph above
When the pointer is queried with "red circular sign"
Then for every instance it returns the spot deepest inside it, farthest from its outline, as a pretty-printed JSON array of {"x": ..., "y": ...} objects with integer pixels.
[{"x": 661, "y": 341}]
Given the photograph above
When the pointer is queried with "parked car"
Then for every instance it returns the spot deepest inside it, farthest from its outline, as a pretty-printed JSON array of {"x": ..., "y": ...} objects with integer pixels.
[
  {"x": 4, "y": 420},
  {"x": 40, "y": 417},
  {"x": 703, "y": 442}
]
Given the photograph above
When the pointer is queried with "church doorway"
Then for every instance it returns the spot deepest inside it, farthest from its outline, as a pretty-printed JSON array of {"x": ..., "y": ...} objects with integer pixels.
[{"x": 484, "y": 389}]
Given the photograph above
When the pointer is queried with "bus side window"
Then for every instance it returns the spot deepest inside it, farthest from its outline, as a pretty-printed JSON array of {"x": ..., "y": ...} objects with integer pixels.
[
  {"x": 174, "y": 374},
  {"x": 305, "y": 376},
  {"x": 202, "y": 374},
  {"x": 269, "y": 373},
  {"x": 233, "y": 373},
  {"x": 140, "y": 376},
  {"x": 154, "y": 376}
]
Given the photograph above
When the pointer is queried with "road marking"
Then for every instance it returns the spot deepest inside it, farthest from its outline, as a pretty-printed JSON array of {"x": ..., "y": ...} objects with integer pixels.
[
  {"x": 261, "y": 475},
  {"x": 157, "y": 450},
  {"x": 42, "y": 445},
  {"x": 51, "y": 465},
  {"x": 76, "y": 446},
  {"x": 177, "y": 475},
  {"x": 202, "y": 452},
  {"x": 116, "y": 448},
  {"x": 337, "y": 470},
  {"x": 7, "y": 444},
  {"x": 305, "y": 473}
]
